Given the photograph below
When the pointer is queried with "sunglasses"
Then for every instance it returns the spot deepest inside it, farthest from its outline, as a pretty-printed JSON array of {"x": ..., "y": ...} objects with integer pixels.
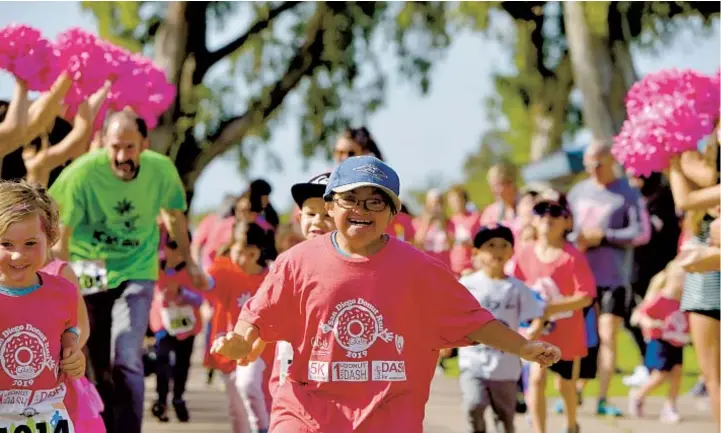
[
  {"x": 345, "y": 153},
  {"x": 552, "y": 209}
]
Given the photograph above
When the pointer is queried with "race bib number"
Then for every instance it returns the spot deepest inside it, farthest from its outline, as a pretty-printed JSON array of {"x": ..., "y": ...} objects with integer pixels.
[
  {"x": 178, "y": 319},
  {"x": 56, "y": 422},
  {"x": 93, "y": 276}
]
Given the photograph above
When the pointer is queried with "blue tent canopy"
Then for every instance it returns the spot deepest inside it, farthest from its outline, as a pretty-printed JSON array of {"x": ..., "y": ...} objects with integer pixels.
[{"x": 559, "y": 164}]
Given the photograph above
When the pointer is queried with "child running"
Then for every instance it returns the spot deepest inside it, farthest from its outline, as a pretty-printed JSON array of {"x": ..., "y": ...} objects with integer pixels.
[
  {"x": 366, "y": 315},
  {"x": 554, "y": 268},
  {"x": 237, "y": 273},
  {"x": 39, "y": 316},
  {"x": 82, "y": 400},
  {"x": 490, "y": 377},
  {"x": 175, "y": 320},
  {"x": 665, "y": 327},
  {"x": 314, "y": 221}
]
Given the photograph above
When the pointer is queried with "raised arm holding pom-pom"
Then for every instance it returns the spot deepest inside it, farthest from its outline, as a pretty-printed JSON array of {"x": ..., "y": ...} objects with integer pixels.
[
  {"x": 39, "y": 163},
  {"x": 14, "y": 127}
]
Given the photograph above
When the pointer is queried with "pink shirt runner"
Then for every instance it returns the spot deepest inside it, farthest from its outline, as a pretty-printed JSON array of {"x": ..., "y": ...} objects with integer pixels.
[{"x": 365, "y": 334}]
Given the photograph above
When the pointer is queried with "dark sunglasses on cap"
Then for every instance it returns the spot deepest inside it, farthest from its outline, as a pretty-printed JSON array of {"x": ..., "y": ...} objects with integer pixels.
[{"x": 553, "y": 209}]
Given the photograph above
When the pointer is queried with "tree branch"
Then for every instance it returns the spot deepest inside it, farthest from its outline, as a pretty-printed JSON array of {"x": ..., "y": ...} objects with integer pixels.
[
  {"x": 260, "y": 25},
  {"x": 306, "y": 59}
]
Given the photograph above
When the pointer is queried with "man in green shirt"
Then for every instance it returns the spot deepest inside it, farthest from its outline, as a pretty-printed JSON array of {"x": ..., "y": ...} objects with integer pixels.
[{"x": 110, "y": 200}]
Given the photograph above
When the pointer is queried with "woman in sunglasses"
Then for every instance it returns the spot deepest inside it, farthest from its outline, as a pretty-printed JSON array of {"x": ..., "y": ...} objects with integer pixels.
[
  {"x": 560, "y": 274},
  {"x": 355, "y": 142}
]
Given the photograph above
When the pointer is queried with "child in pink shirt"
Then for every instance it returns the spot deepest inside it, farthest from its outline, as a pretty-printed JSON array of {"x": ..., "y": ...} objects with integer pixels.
[
  {"x": 465, "y": 224},
  {"x": 365, "y": 314},
  {"x": 175, "y": 320},
  {"x": 562, "y": 277},
  {"x": 39, "y": 341},
  {"x": 314, "y": 221},
  {"x": 665, "y": 328},
  {"x": 82, "y": 400}
]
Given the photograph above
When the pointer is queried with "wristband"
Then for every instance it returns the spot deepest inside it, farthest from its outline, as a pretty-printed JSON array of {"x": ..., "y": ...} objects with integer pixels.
[{"x": 73, "y": 330}]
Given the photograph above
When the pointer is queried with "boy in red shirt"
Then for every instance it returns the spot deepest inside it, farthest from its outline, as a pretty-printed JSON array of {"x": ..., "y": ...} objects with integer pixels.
[
  {"x": 237, "y": 273},
  {"x": 665, "y": 328},
  {"x": 365, "y": 314},
  {"x": 560, "y": 274}
]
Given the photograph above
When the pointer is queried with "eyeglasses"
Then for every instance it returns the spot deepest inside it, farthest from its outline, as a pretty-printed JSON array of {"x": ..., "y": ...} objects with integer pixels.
[
  {"x": 369, "y": 204},
  {"x": 554, "y": 210}
]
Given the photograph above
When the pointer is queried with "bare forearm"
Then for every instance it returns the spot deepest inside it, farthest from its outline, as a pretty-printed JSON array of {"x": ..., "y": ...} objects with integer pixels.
[
  {"x": 61, "y": 249},
  {"x": 499, "y": 336},
  {"x": 241, "y": 327},
  {"x": 14, "y": 127},
  {"x": 44, "y": 110},
  {"x": 571, "y": 303},
  {"x": 177, "y": 226},
  {"x": 535, "y": 329}
]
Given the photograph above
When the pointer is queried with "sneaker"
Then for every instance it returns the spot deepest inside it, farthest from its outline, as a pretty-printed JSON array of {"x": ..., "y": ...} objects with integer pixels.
[
  {"x": 521, "y": 404},
  {"x": 638, "y": 378},
  {"x": 181, "y": 410},
  {"x": 160, "y": 411},
  {"x": 606, "y": 409},
  {"x": 669, "y": 415},
  {"x": 635, "y": 405},
  {"x": 699, "y": 390}
]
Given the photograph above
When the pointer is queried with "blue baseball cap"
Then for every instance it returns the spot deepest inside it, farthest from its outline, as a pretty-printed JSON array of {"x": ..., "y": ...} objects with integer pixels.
[{"x": 360, "y": 171}]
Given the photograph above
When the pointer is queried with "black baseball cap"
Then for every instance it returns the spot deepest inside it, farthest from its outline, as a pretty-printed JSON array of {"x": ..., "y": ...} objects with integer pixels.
[
  {"x": 488, "y": 232},
  {"x": 315, "y": 187}
]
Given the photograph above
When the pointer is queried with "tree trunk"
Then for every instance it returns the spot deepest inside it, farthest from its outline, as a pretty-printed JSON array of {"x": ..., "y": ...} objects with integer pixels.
[
  {"x": 594, "y": 73},
  {"x": 602, "y": 66}
]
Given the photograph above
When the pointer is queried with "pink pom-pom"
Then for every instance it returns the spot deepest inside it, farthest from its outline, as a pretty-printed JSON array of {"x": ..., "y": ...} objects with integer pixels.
[
  {"x": 668, "y": 113},
  {"x": 83, "y": 58},
  {"x": 28, "y": 56},
  {"x": 143, "y": 87}
]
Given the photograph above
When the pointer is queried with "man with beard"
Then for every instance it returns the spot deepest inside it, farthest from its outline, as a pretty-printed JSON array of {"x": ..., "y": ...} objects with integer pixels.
[{"x": 110, "y": 200}]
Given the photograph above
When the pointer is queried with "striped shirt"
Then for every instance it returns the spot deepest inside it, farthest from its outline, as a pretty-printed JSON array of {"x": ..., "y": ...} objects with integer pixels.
[{"x": 702, "y": 291}]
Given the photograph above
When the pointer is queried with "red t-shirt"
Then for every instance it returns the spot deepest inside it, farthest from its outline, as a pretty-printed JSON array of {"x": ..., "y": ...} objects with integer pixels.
[
  {"x": 365, "y": 334},
  {"x": 568, "y": 275},
  {"x": 464, "y": 229},
  {"x": 674, "y": 329},
  {"x": 31, "y": 326},
  {"x": 180, "y": 315},
  {"x": 232, "y": 289}
]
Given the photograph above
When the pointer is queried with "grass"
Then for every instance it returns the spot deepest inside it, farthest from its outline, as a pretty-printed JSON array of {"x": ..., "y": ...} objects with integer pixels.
[{"x": 628, "y": 359}]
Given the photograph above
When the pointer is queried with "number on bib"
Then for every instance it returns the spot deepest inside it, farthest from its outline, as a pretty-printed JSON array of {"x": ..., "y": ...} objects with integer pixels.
[
  {"x": 29, "y": 425},
  {"x": 92, "y": 274},
  {"x": 178, "y": 319}
]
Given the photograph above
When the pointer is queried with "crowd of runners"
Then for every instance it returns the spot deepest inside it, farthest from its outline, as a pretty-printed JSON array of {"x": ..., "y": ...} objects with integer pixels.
[{"x": 338, "y": 320}]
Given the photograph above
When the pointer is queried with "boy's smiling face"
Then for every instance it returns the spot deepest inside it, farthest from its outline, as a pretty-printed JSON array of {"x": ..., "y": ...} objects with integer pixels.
[
  {"x": 314, "y": 218},
  {"x": 361, "y": 215}
]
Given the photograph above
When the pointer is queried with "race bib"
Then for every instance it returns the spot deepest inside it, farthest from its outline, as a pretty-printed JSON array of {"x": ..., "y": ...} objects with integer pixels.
[
  {"x": 178, "y": 319},
  {"x": 56, "y": 421},
  {"x": 93, "y": 276}
]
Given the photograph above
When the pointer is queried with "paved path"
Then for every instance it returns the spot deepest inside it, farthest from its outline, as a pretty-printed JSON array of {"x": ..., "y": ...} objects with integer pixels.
[{"x": 443, "y": 415}]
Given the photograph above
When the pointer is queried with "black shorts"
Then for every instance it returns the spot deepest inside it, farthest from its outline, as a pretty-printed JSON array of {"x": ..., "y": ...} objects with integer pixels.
[
  {"x": 563, "y": 368},
  {"x": 714, "y": 314},
  {"x": 616, "y": 300},
  {"x": 589, "y": 364}
]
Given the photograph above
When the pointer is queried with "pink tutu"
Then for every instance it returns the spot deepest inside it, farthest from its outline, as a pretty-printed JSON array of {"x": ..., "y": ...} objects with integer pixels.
[{"x": 84, "y": 406}]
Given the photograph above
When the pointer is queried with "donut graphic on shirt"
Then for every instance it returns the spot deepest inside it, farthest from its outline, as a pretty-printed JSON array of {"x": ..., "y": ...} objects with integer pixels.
[
  {"x": 356, "y": 326},
  {"x": 24, "y": 353},
  {"x": 547, "y": 288}
]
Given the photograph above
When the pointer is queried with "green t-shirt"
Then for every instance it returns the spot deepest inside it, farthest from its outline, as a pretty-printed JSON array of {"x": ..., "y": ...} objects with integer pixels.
[{"x": 115, "y": 220}]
